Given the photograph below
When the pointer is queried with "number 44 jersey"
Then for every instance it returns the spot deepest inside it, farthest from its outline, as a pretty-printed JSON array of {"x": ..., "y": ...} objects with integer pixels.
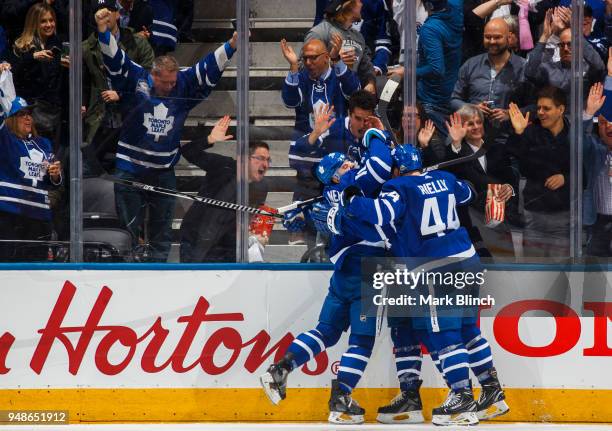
[{"x": 422, "y": 209}]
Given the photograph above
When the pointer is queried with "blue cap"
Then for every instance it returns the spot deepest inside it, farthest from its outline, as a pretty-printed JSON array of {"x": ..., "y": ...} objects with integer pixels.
[
  {"x": 326, "y": 170},
  {"x": 17, "y": 105},
  {"x": 406, "y": 158}
]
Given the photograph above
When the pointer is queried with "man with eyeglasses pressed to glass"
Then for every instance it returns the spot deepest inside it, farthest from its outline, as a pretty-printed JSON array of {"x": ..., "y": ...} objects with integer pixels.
[
  {"x": 208, "y": 234},
  {"x": 542, "y": 69}
]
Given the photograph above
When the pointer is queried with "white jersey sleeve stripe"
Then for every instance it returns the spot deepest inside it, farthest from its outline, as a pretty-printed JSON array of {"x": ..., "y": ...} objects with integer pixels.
[
  {"x": 373, "y": 173},
  {"x": 221, "y": 57},
  {"x": 382, "y": 164},
  {"x": 378, "y": 212}
]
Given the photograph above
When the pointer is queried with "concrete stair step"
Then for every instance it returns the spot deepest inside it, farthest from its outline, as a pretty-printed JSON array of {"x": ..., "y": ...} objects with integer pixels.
[
  {"x": 262, "y": 129},
  {"x": 282, "y": 9},
  {"x": 265, "y": 56},
  {"x": 220, "y": 9},
  {"x": 278, "y": 152},
  {"x": 261, "y": 104},
  {"x": 262, "y": 30},
  {"x": 272, "y": 253},
  {"x": 284, "y": 253}
]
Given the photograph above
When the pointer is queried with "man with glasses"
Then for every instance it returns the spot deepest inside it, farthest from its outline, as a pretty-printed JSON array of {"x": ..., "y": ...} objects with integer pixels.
[
  {"x": 491, "y": 81},
  {"x": 321, "y": 82},
  {"x": 208, "y": 234},
  {"x": 543, "y": 70},
  {"x": 316, "y": 83}
]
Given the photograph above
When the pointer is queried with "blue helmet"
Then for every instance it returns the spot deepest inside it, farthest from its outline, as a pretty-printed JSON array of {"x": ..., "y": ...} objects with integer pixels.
[
  {"x": 327, "y": 167},
  {"x": 406, "y": 158}
]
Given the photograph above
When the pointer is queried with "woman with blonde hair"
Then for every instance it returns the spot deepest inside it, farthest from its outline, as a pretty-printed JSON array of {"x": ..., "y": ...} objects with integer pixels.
[
  {"x": 28, "y": 171},
  {"x": 37, "y": 64}
]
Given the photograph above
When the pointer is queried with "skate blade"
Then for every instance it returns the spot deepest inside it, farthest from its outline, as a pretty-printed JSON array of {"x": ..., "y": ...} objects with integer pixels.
[
  {"x": 414, "y": 417},
  {"x": 273, "y": 395},
  {"x": 496, "y": 409},
  {"x": 459, "y": 419},
  {"x": 345, "y": 418}
]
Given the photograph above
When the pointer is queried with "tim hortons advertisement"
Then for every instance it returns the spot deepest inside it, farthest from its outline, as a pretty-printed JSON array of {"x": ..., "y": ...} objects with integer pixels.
[{"x": 221, "y": 329}]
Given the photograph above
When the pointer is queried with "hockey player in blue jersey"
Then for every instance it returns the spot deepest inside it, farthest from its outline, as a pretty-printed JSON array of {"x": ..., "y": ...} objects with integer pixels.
[
  {"x": 157, "y": 105},
  {"x": 374, "y": 154},
  {"x": 27, "y": 172},
  {"x": 332, "y": 133},
  {"x": 415, "y": 205},
  {"x": 341, "y": 309}
]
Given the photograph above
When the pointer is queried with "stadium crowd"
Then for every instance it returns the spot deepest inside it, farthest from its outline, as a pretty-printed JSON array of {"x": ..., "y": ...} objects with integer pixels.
[{"x": 493, "y": 74}]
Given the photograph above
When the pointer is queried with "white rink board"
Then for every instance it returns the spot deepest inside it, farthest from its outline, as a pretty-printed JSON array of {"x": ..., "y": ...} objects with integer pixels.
[{"x": 276, "y": 302}]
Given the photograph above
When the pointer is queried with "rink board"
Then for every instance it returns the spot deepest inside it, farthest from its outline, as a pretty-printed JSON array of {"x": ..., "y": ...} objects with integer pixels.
[{"x": 189, "y": 345}]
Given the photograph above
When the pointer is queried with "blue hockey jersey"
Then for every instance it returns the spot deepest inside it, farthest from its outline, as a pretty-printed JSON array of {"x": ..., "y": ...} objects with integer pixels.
[
  {"x": 422, "y": 210},
  {"x": 357, "y": 237},
  {"x": 164, "y": 31},
  {"x": 304, "y": 94},
  {"x": 374, "y": 26},
  {"x": 303, "y": 156},
  {"x": 150, "y": 136},
  {"x": 24, "y": 182}
]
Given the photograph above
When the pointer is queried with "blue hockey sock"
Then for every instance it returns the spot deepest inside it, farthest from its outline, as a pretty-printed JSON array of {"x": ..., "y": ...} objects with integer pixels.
[
  {"x": 453, "y": 358},
  {"x": 309, "y": 344},
  {"x": 408, "y": 358},
  {"x": 354, "y": 361},
  {"x": 436, "y": 362},
  {"x": 424, "y": 337},
  {"x": 479, "y": 351}
]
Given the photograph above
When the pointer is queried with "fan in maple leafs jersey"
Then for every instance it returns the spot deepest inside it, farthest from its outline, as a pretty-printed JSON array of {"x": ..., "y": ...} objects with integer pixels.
[
  {"x": 150, "y": 137},
  {"x": 156, "y": 105},
  {"x": 27, "y": 172}
]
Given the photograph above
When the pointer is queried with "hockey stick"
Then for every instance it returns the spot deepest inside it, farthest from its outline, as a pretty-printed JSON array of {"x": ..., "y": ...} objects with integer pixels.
[
  {"x": 442, "y": 165},
  {"x": 209, "y": 201},
  {"x": 386, "y": 95},
  {"x": 176, "y": 193},
  {"x": 280, "y": 211}
]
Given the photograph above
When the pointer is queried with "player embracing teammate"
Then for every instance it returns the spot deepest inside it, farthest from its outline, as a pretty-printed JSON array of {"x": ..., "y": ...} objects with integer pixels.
[{"x": 411, "y": 218}]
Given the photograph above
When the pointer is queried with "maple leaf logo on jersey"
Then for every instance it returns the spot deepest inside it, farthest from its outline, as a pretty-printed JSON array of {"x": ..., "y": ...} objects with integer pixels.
[
  {"x": 32, "y": 167},
  {"x": 158, "y": 124}
]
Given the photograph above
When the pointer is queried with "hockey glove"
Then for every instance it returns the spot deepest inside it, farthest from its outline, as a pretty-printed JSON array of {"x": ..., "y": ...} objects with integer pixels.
[
  {"x": 294, "y": 221},
  {"x": 348, "y": 194},
  {"x": 327, "y": 219}
]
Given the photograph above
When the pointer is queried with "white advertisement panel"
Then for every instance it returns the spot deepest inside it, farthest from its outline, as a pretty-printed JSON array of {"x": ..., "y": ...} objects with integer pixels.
[{"x": 221, "y": 329}]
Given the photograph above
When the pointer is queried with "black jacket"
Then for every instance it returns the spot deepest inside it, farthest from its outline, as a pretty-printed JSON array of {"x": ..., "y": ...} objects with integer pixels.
[
  {"x": 208, "y": 234},
  {"x": 542, "y": 155},
  {"x": 40, "y": 80},
  {"x": 499, "y": 171},
  {"x": 13, "y": 13}
]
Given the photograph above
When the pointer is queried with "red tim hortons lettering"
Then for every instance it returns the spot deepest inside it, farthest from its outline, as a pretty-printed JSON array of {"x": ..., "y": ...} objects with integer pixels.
[
  {"x": 157, "y": 335},
  {"x": 6, "y": 341}
]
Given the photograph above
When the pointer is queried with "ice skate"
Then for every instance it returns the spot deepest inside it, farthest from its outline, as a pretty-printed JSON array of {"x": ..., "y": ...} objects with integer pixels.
[
  {"x": 458, "y": 409},
  {"x": 405, "y": 408},
  {"x": 274, "y": 381},
  {"x": 491, "y": 402},
  {"x": 343, "y": 409}
]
